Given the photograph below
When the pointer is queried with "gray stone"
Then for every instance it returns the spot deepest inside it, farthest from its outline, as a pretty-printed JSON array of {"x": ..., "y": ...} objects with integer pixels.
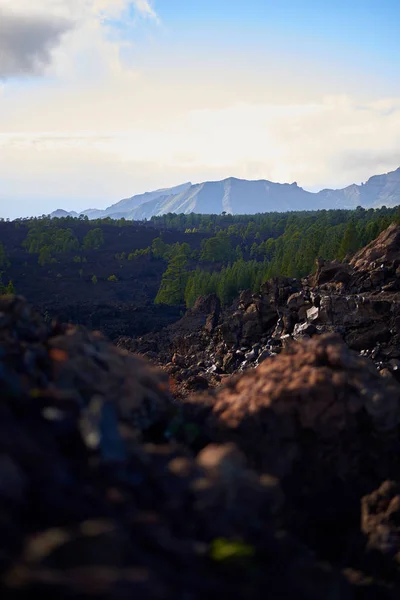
[{"x": 313, "y": 314}]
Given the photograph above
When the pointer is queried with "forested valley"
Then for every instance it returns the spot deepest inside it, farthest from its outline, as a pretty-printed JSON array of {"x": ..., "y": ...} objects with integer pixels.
[{"x": 173, "y": 259}]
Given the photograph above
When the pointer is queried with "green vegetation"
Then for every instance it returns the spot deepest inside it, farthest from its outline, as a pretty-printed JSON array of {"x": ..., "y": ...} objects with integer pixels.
[
  {"x": 217, "y": 249},
  {"x": 173, "y": 281},
  {"x": 203, "y": 254},
  {"x": 44, "y": 256},
  {"x": 224, "y": 550},
  {"x": 94, "y": 239},
  {"x": 42, "y": 234},
  {"x": 6, "y": 289},
  {"x": 94, "y": 279},
  {"x": 270, "y": 245},
  {"x": 227, "y": 283},
  {"x": 139, "y": 253}
]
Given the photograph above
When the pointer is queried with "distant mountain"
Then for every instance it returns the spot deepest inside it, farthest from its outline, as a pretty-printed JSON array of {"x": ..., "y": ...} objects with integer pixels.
[
  {"x": 379, "y": 190},
  {"x": 59, "y": 213},
  {"x": 124, "y": 207},
  {"x": 238, "y": 196}
]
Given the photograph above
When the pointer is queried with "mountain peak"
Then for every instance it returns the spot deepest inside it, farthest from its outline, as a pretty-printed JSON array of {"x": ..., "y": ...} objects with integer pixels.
[{"x": 243, "y": 196}]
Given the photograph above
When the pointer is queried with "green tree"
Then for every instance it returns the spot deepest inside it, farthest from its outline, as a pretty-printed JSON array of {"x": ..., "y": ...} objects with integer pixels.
[
  {"x": 94, "y": 239},
  {"x": 10, "y": 289},
  {"x": 217, "y": 249},
  {"x": 94, "y": 279},
  {"x": 173, "y": 282},
  {"x": 6, "y": 289},
  {"x": 44, "y": 256},
  {"x": 159, "y": 248},
  {"x": 350, "y": 242}
]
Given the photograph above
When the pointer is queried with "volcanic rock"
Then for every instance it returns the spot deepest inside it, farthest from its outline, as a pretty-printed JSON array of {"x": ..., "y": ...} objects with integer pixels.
[
  {"x": 319, "y": 391},
  {"x": 380, "y": 518}
]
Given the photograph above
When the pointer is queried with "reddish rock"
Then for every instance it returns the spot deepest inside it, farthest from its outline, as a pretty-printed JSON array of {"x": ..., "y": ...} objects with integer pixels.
[
  {"x": 318, "y": 391},
  {"x": 380, "y": 518}
]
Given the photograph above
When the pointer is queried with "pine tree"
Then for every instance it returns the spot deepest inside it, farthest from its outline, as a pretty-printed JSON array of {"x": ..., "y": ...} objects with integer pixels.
[
  {"x": 173, "y": 282},
  {"x": 94, "y": 239},
  {"x": 350, "y": 241}
]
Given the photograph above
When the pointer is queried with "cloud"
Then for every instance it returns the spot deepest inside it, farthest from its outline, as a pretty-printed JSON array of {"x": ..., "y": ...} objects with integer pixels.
[
  {"x": 331, "y": 143},
  {"x": 145, "y": 8},
  {"x": 26, "y": 42},
  {"x": 30, "y": 32}
]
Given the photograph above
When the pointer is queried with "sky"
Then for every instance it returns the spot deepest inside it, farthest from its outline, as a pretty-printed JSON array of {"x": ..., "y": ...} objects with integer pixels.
[{"x": 103, "y": 99}]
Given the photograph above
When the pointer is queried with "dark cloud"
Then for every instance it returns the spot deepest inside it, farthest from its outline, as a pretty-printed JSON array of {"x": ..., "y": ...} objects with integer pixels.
[{"x": 26, "y": 42}]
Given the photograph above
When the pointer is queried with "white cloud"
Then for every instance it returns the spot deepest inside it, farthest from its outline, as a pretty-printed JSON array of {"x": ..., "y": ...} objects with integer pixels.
[{"x": 334, "y": 142}]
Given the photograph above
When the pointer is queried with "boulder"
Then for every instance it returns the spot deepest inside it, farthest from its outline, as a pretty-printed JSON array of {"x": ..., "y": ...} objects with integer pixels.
[
  {"x": 380, "y": 518},
  {"x": 313, "y": 314},
  {"x": 304, "y": 329},
  {"x": 297, "y": 300},
  {"x": 319, "y": 391}
]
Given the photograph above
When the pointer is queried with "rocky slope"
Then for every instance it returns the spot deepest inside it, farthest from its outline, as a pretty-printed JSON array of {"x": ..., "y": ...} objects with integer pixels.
[
  {"x": 286, "y": 479},
  {"x": 237, "y": 196},
  {"x": 359, "y": 300}
]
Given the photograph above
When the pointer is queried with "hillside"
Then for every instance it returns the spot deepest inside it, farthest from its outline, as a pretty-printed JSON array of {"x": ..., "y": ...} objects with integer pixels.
[
  {"x": 64, "y": 278},
  {"x": 238, "y": 196},
  {"x": 128, "y": 278}
]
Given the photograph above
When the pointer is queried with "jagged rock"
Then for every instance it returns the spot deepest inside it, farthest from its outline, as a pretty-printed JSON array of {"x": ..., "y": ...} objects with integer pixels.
[
  {"x": 382, "y": 251},
  {"x": 313, "y": 314},
  {"x": 331, "y": 272},
  {"x": 87, "y": 510},
  {"x": 178, "y": 360},
  {"x": 68, "y": 369},
  {"x": 279, "y": 329},
  {"x": 319, "y": 387},
  {"x": 263, "y": 355},
  {"x": 289, "y": 322},
  {"x": 380, "y": 518},
  {"x": 230, "y": 362},
  {"x": 278, "y": 289},
  {"x": 245, "y": 299},
  {"x": 251, "y": 330},
  {"x": 197, "y": 382},
  {"x": 209, "y": 305},
  {"x": 297, "y": 300},
  {"x": 304, "y": 329},
  {"x": 366, "y": 337},
  {"x": 302, "y": 313}
]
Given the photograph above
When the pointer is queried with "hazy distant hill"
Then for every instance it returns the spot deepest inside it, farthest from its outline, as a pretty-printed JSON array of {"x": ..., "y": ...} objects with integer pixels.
[
  {"x": 379, "y": 190},
  {"x": 238, "y": 196},
  {"x": 124, "y": 207}
]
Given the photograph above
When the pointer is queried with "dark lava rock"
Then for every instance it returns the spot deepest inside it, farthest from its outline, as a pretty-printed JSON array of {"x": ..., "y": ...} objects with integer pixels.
[
  {"x": 88, "y": 510},
  {"x": 380, "y": 518},
  {"x": 318, "y": 391}
]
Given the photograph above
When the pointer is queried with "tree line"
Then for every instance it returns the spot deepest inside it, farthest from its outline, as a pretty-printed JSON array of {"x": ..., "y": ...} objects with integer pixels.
[
  {"x": 236, "y": 251},
  {"x": 289, "y": 250}
]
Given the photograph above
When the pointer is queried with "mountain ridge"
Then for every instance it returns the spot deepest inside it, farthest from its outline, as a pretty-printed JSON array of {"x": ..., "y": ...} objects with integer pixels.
[{"x": 234, "y": 195}]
